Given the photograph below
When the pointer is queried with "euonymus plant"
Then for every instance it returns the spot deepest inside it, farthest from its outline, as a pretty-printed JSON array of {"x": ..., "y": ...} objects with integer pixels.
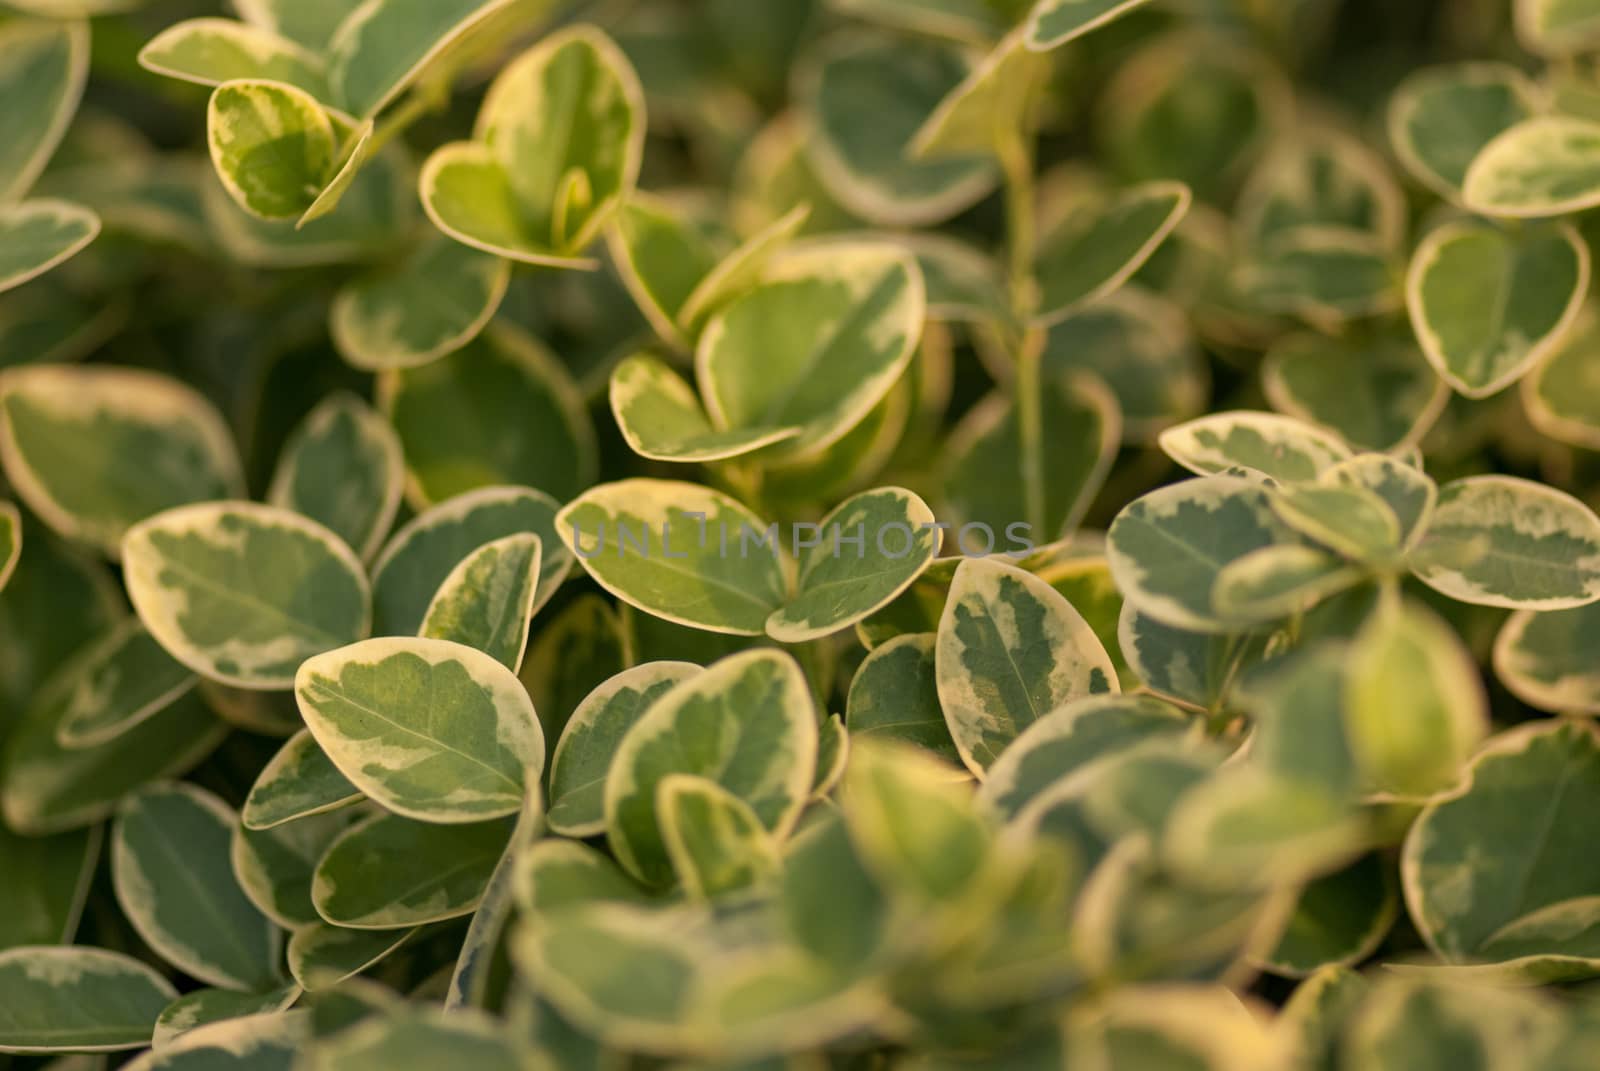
[{"x": 799, "y": 534}]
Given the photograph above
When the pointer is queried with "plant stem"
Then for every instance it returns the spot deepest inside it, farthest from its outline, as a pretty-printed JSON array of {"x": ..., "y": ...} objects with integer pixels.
[
  {"x": 1016, "y": 152},
  {"x": 420, "y": 102}
]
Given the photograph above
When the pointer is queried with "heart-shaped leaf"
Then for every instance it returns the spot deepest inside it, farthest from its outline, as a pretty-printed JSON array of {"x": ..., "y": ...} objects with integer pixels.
[
  {"x": 243, "y": 593},
  {"x": 37, "y": 235},
  {"x": 662, "y": 418},
  {"x": 343, "y": 468},
  {"x": 211, "y": 51},
  {"x": 1441, "y": 118},
  {"x": 273, "y": 146},
  {"x": 43, "y": 66},
  {"x": 59, "y": 999},
  {"x": 430, "y": 729},
  {"x": 487, "y": 600},
  {"x": 298, "y": 782},
  {"x": 1487, "y": 305},
  {"x": 1545, "y": 166}
]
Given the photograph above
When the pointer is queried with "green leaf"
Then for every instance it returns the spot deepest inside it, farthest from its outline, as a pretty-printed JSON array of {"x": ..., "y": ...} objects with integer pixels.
[
  {"x": 470, "y": 198},
  {"x": 988, "y": 110},
  {"x": 1544, "y": 166},
  {"x": 385, "y": 45},
  {"x": 274, "y": 867},
  {"x": 417, "y": 1040},
  {"x": 1549, "y": 660},
  {"x": 124, "y": 679},
  {"x": 45, "y": 788},
  {"x": 43, "y": 66},
  {"x": 430, "y": 729},
  {"x": 1167, "y": 548},
  {"x": 1339, "y": 919},
  {"x": 1376, "y": 393},
  {"x": 1492, "y": 873},
  {"x": 309, "y": 22},
  {"x": 322, "y": 956},
  {"x": 501, "y": 410},
  {"x": 1194, "y": 668},
  {"x": 1101, "y": 245},
  {"x": 1348, "y": 520},
  {"x": 437, "y": 301},
  {"x": 169, "y": 864},
  {"x": 833, "y": 757},
  {"x": 342, "y": 467},
  {"x": 1325, "y": 276},
  {"x": 37, "y": 235},
  {"x": 575, "y": 652},
  {"x": 740, "y": 270},
  {"x": 77, "y": 1000},
  {"x": 1053, "y": 23},
  {"x": 1010, "y": 650},
  {"x": 866, "y": 96},
  {"x": 487, "y": 600},
  {"x": 1487, "y": 305},
  {"x": 1556, "y": 394},
  {"x": 1012, "y": 480},
  {"x": 1408, "y": 491},
  {"x": 1441, "y": 118},
  {"x": 265, "y": 1041},
  {"x": 715, "y": 841},
  {"x": 583, "y": 756},
  {"x": 973, "y": 21},
  {"x": 679, "y": 551},
  {"x": 355, "y": 148},
  {"x": 422, "y": 554},
  {"x": 1276, "y": 582},
  {"x": 895, "y": 694},
  {"x": 273, "y": 146},
  {"x": 746, "y": 723},
  {"x": 1419, "y": 1025},
  {"x": 662, "y": 418},
  {"x": 94, "y": 449},
  {"x": 1263, "y": 445},
  {"x": 47, "y": 885},
  {"x": 203, "y": 1007},
  {"x": 1322, "y": 177},
  {"x": 1503, "y": 541},
  {"x": 389, "y": 872},
  {"x": 298, "y": 782},
  {"x": 477, "y": 966},
  {"x": 661, "y": 253},
  {"x": 896, "y": 541},
  {"x": 243, "y": 593},
  {"x": 211, "y": 51},
  {"x": 1557, "y": 27},
  {"x": 828, "y": 333}
]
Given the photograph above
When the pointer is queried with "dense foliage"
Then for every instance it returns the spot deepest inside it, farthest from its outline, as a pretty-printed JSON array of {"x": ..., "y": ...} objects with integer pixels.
[{"x": 799, "y": 534}]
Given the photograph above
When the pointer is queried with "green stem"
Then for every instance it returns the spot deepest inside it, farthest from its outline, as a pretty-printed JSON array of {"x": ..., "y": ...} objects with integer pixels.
[
  {"x": 1016, "y": 153},
  {"x": 420, "y": 102}
]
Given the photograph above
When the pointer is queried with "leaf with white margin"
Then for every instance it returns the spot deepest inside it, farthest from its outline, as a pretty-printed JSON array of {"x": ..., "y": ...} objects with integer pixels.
[
  {"x": 1503, "y": 541},
  {"x": 424, "y": 552},
  {"x": 1069, "y": 739},
  {"x": 1545, "y": 166},
  {"x": 963, "y": 282},
  {"x": 1011, "y": 476},
  {"x": 243, "y": 593},
  {"x": 125, "y": 679},
  {"x": 1557, "y": 395},
  {"x": 60, "y": 999},
  {"x": 894, "y": 539},
  {"x": 1054, "y": 23},
  {"x": 1502, "y": 859},
  {"x": 661, "y": 417},
  {"x": 825, "y": 336},
  {"x": 1193, "y": 1026},
  {"x": 895, "y": 694},
  {"x": 1551, "y": 661},
  {"x": 311, "y": 23},
  {"x": 1265, "y": 445},
  {"x": 1167, "y": 548},
  {"x": 420, "y": 1039},
  {"x": 94, "y": 449},
  {"x": 1325, "y": 276},
  {"x": 1415, "y": 705},
  {"x": 1557, "y": 27},
  {"x": 679, "y": 551},
  {"x": 265, "y": 1041},
  {"x": 988, "y": 110},
  {"x": 580, "y": 648},
  {"x": 1102, "y": 244},
  {"x": 384, "y": 45},
  {"x": 583, "y": 756},
  {"x": 500, "y": 410},
  {"x": 43, "y": 66},
  {"x": 355, "y": 148},
  {"x": 37, "y": 235},
  {"x": 469, "y": 197},
  {"x": 833, "y": 757},
  {"x": 211, "y": 51},
  {"x": 170, "y": 869},
  {"x": 430, "y": 729},
  {"x": 746, "y": 723},
  {"x": 274, "y": 867},
  {"x": 272, "y": 144},
  {"x": 342, "y": 467},
  {"x": 1340, "y": 919},
  {"x": 1486, "y": 305},
  {"x": 1275, "y": 582},
  {"x": 661, "y": 254},
  {"x": 298, "y": 782},
  {"x": 321, "y": 956},
  {"x": 975, "y": 22},
  {"x": 555, "y": 876},
  {"x": 436, "y": 301},
  {"x": 1408, "y": 1023},
  {"x": 45, "y": 788},
  {"x": 476, "y": 964},
  {"x": 1347, "y": 519},
  {"x": 715, "y": 841},
  {"x": 864, "y": 97},
  {"x": 1011, "y": 649},
  {"x": 1196, "y": 669},
  {"x": 1409, "y": 492},
  {"x": 389, "y": 872},
  {"x": 740, "y": 270},
  {"x": 1322, "y": 176},
  {"x": 1378, "y": 393},
  {"x": 202, "y": 1007},
  {"x": 487, "y": 600},
  {"x": 812, "y": 483},
  {"x": 1440, "y": 118},
  {"x": 47, "y": 885}
]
